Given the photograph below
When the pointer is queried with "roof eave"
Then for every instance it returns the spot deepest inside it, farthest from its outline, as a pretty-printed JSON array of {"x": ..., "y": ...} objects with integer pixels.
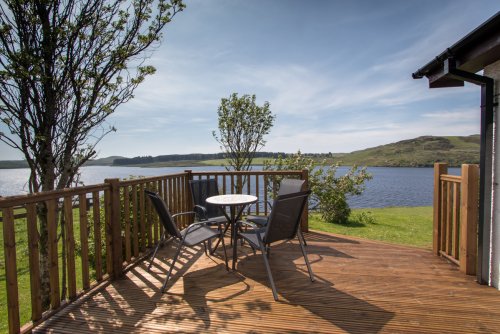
[{"x": 472, "y": 53}]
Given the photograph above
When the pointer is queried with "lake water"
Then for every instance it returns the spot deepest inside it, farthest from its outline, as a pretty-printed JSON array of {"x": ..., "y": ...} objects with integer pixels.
[{"x": 389, "y": 186}]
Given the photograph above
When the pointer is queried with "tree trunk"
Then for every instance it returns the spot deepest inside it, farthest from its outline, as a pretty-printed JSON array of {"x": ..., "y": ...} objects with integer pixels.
[{"x": 44, "y": 256}]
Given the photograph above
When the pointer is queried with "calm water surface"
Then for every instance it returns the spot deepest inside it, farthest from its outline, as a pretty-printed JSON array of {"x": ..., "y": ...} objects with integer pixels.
[{"x": 389, "y": 186}]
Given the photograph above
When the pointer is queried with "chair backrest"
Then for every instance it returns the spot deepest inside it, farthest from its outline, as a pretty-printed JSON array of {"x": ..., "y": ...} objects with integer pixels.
[
  {"x": 201, "y": 190},
  {"x": 165, "y": 217},
  {"x": 285, "y": 216},
  {"x": 288, "y": 186}
]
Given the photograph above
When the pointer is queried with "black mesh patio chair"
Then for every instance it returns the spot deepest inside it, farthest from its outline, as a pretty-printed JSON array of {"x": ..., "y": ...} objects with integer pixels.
[
  {"x": 283, "y": 224},
  {"x": 195, "y": 234},
  {"x": 287, "y": 186},
  {"x": 200, "y": 191}
]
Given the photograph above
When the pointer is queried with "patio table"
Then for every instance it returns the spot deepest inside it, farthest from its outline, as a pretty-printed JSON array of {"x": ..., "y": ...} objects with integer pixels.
[{"x": 233, "y": 201}]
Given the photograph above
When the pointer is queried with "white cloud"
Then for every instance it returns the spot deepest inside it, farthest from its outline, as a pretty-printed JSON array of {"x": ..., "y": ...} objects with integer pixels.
[{"x": 338, "y": 81}]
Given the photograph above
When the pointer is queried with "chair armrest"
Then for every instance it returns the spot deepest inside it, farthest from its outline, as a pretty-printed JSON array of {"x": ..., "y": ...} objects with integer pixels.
[
  {"x": 270, "y": 206},
  {"x": 183, "y": 214},
  {"x": 248, "y": 223},
  {"x": 201, "y": 212},
  {"x": 203, "y": 223},
  {"x": 190, "y": 227}
]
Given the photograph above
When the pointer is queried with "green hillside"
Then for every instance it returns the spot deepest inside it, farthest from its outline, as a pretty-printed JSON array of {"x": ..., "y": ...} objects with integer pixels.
[
  {"x": 419, "y": 152},
  {"x": 103, "y": 161},
  {"x": 7, "y": 164}
]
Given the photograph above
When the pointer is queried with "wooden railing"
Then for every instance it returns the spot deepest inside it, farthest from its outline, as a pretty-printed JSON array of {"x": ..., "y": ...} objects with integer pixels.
[
  {"x": 106, "y": 228},
  {"x": 456, "y": 205}
]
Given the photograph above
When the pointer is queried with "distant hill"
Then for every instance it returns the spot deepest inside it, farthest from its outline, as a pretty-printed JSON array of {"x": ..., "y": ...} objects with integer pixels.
[
  {"x": 7, "y": 164},
  {"x": 104, "y": 161},
  {"x": 180, "y": 159},
  {"x": 419, "y": 152}
]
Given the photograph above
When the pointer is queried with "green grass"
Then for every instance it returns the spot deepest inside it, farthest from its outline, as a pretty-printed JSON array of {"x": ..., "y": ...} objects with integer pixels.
[
  {"x": 224, "y": 162},
  {"x": 398, "y": 225}
]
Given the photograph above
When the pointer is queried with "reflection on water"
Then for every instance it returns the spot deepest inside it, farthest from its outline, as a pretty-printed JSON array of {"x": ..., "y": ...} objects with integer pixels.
[{"x": 389, "y": 186}]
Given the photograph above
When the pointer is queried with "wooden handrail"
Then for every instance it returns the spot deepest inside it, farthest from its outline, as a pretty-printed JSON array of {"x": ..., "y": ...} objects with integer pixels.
[
  {"x": 455, "y": 219},
  {"x": 116, "y": 217}
]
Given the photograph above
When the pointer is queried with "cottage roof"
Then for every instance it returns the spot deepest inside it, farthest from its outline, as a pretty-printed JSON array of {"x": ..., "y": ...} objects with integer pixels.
[{"x": 472, "y": 53}]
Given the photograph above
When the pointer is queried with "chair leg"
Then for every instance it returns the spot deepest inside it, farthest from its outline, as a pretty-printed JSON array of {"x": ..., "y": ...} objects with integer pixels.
[
  {"x": 269, "y": 274},
  {"x": 225, "y": 253},
  {"x": 302, "y": 236},
  {"x": 172, "y": 266},
  {"x": 205, "y": 247},
  {"x": 212, "y": 250},
  {"x": 303, "y": 249},
  {"x": 156, "y": 251}
]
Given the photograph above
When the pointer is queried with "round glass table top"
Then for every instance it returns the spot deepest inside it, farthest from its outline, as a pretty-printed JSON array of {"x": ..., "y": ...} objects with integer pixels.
[{"x": 232, "y": 199}]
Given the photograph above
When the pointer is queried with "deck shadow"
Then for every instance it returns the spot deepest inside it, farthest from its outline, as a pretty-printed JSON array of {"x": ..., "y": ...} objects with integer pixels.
[
  {"x": 322, "y": 237},
  {"x": 320, "y": 297}
]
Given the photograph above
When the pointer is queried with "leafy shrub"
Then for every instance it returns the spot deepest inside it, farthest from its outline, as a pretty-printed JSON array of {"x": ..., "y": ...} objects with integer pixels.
[{"x": 329, "y": 192}]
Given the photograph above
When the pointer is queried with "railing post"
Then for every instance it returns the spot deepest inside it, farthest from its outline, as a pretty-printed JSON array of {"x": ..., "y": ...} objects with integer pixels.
[
  {"x": 188, "y": 201},
  {"x": 440, "y": 168},
  {"x": 305, "y": 215},
  {"x": 115, "y": 228},
  {"x": 9, "y": 242},
  {"x": 469, "y": 216}
]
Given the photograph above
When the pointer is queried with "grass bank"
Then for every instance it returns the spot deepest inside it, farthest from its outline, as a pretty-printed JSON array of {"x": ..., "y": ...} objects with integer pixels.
[{"x": 399, "y": 225}]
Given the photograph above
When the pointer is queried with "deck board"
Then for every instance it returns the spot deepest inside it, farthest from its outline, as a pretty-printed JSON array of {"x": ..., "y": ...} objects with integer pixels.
[{"x": 362, "y": 287}]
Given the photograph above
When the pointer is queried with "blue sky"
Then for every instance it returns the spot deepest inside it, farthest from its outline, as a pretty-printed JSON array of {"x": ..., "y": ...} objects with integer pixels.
[{"x": 337, "y": 75}]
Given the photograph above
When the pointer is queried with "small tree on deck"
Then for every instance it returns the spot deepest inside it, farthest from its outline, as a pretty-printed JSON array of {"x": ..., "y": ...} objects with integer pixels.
[{"x": 242, "y": 127}]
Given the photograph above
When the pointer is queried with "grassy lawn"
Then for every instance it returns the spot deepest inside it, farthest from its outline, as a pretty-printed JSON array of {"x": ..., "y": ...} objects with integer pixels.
[
  {"x": 223, "y": 162},
  {"x": 398, "y": 225}
]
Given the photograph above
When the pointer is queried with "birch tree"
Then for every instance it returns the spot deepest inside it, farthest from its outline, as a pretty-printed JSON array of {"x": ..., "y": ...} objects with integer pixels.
[{"x": 65, "y": 66}]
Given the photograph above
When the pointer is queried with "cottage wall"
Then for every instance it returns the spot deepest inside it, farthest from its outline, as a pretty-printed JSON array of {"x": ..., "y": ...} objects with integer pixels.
[{"x": 493, "y": 71}]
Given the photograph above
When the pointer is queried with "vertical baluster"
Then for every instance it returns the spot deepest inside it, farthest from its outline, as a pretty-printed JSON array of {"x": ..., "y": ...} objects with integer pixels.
[
  {"x": 70, "y": 246},
  {"x": 444, "y": 211},
  {"x": 34, "y": 261},
  {"x": 52, "y": 209},
  {"x": 142, "y": 210},
  {"x": 96, "y": 209},
  {"x": 439, "y": 169},
  {"x": 135, "y": 221},
  {"x": 84, "y": 242},
  {"x": 9, "y": 241},
  {"x": 449, "y": 217},
  {"x": 257, "y": 193},
  {"x": 456, "y": 220},
  {"x": 107, "y": 231},
  {"x": 149, "y": 216},
  {"x": 126, "y": 218},
  {"x": 266, "y": 185}
]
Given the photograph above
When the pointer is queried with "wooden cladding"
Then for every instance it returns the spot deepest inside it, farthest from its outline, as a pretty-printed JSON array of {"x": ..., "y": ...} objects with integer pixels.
[
  {"x": 104, "y": 228},
  {"x": 456, "y": 215}
]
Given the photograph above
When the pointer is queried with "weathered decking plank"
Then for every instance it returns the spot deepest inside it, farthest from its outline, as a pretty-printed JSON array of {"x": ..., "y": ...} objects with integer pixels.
[{"x": 361, "y": 287}]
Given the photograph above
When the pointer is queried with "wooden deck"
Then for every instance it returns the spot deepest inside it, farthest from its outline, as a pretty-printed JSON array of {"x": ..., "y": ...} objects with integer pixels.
[{"x": 361, "y": 287}]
